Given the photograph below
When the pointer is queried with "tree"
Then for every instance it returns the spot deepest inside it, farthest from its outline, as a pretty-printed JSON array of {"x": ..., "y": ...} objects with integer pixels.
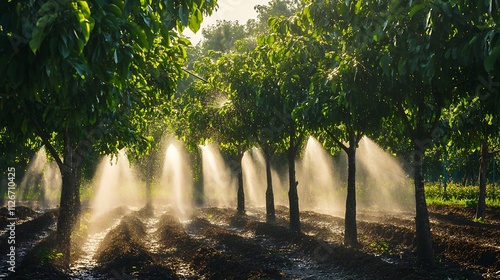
[
  {"x": 474, "y": 117},
  {"x": 222, "y": 36},
  {"x": 476, "y": 128},
  {"x": 236, "y": 73},
  {"x": 344, "y": 102},
  {"x": 88, "y": 62},
  {"x": 268, "y": 120},
  {"x": 235, "y": 123},
  {"x": 288, "y": 50},
  {"x": 193, "y": 112},
  {"x": 148, "y": 161},
  {"x": 275, "y": 8},
  {"x": 230, "y": 121},
  {"x": 251, "y": 107},
  {"x": 422, "y": 83}
]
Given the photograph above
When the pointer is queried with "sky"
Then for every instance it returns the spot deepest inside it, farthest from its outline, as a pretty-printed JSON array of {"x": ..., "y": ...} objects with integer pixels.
[{"x": 240, "y": 10}]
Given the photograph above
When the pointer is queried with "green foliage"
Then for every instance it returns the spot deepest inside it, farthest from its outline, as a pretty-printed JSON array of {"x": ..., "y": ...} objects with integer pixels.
[
  {"x": 195, "y": 110},
  {"x": 94, "y": 67},
  {"x": 223, "y": 36},
  {"x": 48, "y": 255},
  {"x": 464, "y": 195},
  {"x": 382, "y": 247},
  {"x": 471, "y": 204},
  {"x": 90, "y": 75}
]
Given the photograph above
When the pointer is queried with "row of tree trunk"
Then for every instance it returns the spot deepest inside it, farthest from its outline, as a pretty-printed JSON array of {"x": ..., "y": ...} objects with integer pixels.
[{"x": 71, "y": 171}]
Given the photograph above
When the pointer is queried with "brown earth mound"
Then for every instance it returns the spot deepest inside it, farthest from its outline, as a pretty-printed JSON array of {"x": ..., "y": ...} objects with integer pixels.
[{"x": 219, "y": 244}]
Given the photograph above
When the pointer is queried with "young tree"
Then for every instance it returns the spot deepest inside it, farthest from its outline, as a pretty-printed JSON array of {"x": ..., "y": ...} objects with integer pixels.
[
  {"x": 248, "y": 116},
  {"x": 192, "y": 122},
  {"x": 289, "y": 52},
  {"x": 475, "y": 125},
  {"x": 230, "y": 124},
  {"x": 422, "y": 82},
  {"x": 475, "y": 116},
  {"x": 253, "y": 105},
  {"x": 344, "y": 97}
]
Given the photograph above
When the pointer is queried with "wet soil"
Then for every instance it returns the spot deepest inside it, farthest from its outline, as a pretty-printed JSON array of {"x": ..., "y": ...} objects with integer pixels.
[{"x": 217, "y": 243}]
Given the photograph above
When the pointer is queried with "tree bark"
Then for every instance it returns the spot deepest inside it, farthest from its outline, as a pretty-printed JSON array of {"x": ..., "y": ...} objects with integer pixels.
[
  {"x": 199, "y": 189},
  {"x": 150, "y": 166},
  {"x": 70, "y": 167},
  {"x": 64, "y": 222},
  {"x": 423, "y": 231},
  {"x": 293, "y": 196},
  {"x": 69, "y": 210},
  {"x": 75, "y": 215},
  {"x": 241, "y": 192},
  {"x": 149, "y": 196},
  {"x": 270, "y": 211},
  {"x": 483, "y": 160},
  {"x": 351, "y": 231},
  {"x": 69, "y": 207},
  {"x": 445, "y": 175}
]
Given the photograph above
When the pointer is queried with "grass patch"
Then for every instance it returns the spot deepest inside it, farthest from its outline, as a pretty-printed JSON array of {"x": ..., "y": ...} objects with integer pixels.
[{"x": 461, "y": 195}]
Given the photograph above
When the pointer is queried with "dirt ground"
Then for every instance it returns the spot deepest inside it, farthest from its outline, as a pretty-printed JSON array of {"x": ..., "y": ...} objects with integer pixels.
[{"x": 219, "y": 244}]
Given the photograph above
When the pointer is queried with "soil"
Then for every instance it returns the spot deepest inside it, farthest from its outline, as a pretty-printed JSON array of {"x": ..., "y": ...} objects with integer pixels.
[{"x": 217, "y": 243}]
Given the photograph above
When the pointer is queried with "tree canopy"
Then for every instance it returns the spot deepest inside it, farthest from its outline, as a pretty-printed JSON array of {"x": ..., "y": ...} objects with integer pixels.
[{"x": 84, "y": 74}]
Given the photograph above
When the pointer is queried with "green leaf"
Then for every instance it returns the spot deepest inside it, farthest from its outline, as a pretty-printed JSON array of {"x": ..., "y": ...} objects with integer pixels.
[
  {"x": 270, "y": 39},
  {"x": 24, "y": 126},
  {"x": 84, "y": 8},
  {"x": 63, "y": 50},
  {"x": 184, "y": 41},
  {"x": 358, "y": 7},
  {"x": 39, "y": 31},
  {"x": 140, "y": 36},
  {"x": 417, "y": 8},
  {"x": 81, "y": 68},
  {"x": 195, "y": 21},
  {"x": 114, "y": 9},
  {"x": 92, "y": 119},
  {"x": 261, "y": 39},
  {"x": 402, "y": 66},
  {"x": 489, "y": 62},
  {"x": 307, "y": 12},
  {"x": 272, "y": 21},
  {"x": 184, "y": 15},
  {"x": 101, "y": 3},
  {"x": 385, "y": 64}
]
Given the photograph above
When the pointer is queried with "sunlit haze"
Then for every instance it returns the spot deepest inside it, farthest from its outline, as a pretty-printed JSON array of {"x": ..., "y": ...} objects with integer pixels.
[{"x": 232, "y": 10}]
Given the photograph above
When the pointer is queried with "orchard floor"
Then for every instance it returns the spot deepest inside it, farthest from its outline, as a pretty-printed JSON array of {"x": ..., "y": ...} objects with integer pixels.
[{"x": 218, "y": 244}]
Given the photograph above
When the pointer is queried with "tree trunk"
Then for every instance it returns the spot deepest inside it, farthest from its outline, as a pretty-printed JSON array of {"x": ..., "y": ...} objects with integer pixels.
[
  {"x": 351, "y": 231},
  {"x": 445, "y": 175},
  {"x": 69, "y": 210},
  {"x": 270, "y": 211},
  {"x": 423, "y": 231},
  {"x": 199, "y": 189},
  {"x": 65, "y": 215},
  {"x": 241, "y": 192},
  {"x": 149, "y": 172},
  {"x": 69, "y": 207},
  {"x": 293, "y": 196},
  {"x": 75, "y": 215},
  {"x": 483, "y": 160},
  {"x": 149, "y": 196}
]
